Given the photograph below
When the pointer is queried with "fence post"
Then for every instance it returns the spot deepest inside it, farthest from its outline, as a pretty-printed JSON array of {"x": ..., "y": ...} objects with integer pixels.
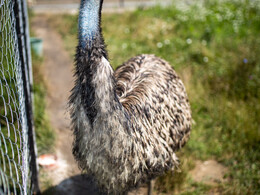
[
  {"x": 22, "y": 92},
  {"x": 31, "y": 133},
  {"x": 25, "y": 58}
]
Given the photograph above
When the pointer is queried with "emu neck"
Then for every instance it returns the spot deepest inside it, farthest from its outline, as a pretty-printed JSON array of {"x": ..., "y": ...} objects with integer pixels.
[
  {"x": 95, "y": 82},
  {"x": 89, "y": 22}
]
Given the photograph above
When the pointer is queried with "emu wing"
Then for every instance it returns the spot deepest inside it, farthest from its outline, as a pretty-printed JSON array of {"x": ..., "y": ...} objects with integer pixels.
[{"x": 150, "y": 90}]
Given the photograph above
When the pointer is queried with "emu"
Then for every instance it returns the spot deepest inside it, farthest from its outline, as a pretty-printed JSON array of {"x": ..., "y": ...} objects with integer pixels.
[{"x": 127, "y": 123}]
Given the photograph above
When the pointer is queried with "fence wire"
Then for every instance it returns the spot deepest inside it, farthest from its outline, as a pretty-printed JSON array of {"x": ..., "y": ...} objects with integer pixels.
[{"x": 18, "y": 171}]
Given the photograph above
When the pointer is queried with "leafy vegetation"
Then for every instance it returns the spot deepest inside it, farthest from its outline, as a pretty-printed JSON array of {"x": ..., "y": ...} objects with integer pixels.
[{"x": 215, "y": 48}]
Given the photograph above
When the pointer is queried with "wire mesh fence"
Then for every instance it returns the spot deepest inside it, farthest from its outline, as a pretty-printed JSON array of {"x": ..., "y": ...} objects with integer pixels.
[{"x": 18, "y": 171}]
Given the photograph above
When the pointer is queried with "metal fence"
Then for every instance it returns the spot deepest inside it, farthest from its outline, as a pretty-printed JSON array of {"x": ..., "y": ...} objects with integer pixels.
[{"x": 18, "y": 170}]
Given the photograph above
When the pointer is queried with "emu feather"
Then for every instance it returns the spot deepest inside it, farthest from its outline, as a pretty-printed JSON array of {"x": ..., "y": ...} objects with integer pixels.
[{"x": 128, "y": 123}]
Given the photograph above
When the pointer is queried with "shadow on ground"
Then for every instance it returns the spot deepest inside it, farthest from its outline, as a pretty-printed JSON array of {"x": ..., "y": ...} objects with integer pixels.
[{"x": 79, "y": 184}]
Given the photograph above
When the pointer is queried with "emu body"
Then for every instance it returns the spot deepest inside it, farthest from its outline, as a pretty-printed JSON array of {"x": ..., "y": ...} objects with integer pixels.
[{"x": 127, "y": 123}]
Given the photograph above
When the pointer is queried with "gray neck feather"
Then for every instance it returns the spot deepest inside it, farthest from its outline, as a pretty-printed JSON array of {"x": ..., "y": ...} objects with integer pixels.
[{"x": 88, "y": 22}]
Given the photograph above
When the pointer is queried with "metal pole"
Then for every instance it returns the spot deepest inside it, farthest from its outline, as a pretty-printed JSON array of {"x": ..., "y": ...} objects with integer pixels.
[
  {"x": 31, "y": 130},
  {"x": 22, "y": 93},
  {"x": 23, "y": 47}
]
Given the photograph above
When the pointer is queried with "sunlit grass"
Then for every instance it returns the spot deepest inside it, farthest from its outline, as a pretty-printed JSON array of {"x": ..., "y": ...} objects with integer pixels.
[{"x": 215, "y": 49}]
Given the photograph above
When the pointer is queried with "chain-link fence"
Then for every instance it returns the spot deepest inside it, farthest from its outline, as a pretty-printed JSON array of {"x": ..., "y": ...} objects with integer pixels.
[{"x": 18, "y": 170}]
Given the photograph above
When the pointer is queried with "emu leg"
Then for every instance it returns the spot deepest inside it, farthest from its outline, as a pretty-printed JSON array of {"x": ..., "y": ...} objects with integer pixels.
[{"x": 150, "y": 187}]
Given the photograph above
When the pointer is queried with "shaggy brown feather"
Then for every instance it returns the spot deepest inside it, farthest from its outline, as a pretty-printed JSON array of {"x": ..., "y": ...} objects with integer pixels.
[{"x": 148, "y": 87}]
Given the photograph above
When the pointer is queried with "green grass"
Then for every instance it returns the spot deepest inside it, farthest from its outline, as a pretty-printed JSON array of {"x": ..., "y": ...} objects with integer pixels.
[
  {"x": 45, "y": 136},
  {"x": 215, "y": 49}
]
